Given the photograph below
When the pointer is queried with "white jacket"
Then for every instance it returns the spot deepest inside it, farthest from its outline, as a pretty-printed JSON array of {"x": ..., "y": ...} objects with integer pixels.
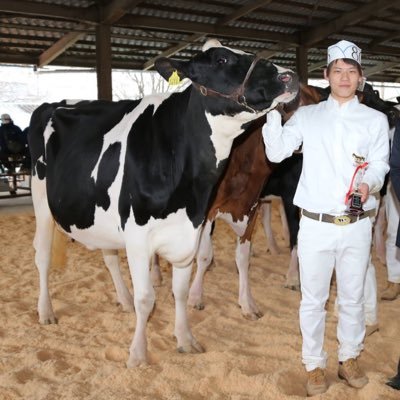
[{"x": 330, "y": 134}]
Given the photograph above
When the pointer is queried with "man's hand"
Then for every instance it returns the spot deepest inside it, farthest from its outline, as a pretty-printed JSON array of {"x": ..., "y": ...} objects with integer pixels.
[{"x": 364, "y": 190}]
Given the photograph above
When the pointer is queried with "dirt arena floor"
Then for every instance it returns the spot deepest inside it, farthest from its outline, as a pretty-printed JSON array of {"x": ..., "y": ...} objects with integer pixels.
[{"x": 84, "y": 356}]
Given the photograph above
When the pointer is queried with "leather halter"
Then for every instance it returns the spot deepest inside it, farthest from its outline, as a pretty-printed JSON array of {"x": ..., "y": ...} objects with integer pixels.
[{"x": 237, "y": 95}]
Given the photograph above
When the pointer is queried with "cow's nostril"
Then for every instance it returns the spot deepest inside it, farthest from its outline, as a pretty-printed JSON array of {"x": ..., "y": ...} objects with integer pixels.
[{"x": 285, "y": 78}]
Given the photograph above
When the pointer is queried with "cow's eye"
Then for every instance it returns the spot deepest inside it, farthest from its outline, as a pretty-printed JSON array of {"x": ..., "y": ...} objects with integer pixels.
[{"x": 222, "y": 60}]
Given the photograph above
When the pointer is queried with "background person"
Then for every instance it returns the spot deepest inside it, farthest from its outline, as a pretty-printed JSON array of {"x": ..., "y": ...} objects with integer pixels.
[
  {"x": 392, "y": 204},
  {"x": 12, "y": 141}
]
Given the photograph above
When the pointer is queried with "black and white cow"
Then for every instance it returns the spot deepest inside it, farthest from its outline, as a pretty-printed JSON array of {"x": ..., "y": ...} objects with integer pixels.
[{"x": 140, "y": 175}]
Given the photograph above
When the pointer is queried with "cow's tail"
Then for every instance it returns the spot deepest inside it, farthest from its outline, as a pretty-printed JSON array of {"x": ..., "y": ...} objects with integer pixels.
[{"x": 58, "y": 249}]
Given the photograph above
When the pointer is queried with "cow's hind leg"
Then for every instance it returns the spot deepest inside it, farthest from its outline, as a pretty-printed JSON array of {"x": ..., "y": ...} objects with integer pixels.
[
  {"x": 144, "y": 299},
  {"x": 155, "y": 271},
  {"x": 246, "y": 301},
  {"x": 42, "y": 243},
  {"x": 204, "y": 259},
  {"x": 123, "y": 296},
  {"x": 292, "y": 274},
  {"x": 266, "y": 220},
  {"x": 180, "y": 286}
]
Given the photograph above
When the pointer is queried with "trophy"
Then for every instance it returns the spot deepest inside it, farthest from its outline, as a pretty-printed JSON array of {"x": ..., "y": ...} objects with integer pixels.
[{"x": 353, "y": 197}]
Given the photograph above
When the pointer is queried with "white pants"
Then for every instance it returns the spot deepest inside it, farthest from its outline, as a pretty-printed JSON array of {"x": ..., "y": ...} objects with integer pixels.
[
  {"x": 322, "y": 247},
  {"x": 392, "y": 252}
]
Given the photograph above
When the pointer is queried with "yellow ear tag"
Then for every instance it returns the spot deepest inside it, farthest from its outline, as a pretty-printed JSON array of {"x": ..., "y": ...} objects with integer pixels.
[{"x": 174, "y": 78}]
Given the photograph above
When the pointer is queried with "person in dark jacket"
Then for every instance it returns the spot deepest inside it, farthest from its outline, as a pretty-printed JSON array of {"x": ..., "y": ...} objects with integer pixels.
[
  {"x": 12, "y": 141},
  {"x": 393, "y": 289},
  {"x": 395, "y": 178}
]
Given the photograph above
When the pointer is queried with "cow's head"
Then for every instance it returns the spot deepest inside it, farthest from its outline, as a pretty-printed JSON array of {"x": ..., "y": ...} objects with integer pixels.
[{"x": 220, "y": 74}]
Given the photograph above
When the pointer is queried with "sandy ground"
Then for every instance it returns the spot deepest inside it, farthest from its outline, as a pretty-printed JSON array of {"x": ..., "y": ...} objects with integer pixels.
[{"x": 83, "y": 357}]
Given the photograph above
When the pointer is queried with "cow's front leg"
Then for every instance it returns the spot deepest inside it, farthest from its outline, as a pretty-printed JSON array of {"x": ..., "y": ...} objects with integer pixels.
[
  {"x": 180, "y": 286},
  {"x": 144, "y": 298},
  {"x": 124, "y": 297},
  {"x": 246, "y": 301},
  {"x": 204, "y": 259}
]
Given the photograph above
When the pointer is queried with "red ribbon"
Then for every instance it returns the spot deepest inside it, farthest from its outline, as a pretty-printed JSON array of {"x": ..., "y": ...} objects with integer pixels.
[{"x": 364, "y": 165}]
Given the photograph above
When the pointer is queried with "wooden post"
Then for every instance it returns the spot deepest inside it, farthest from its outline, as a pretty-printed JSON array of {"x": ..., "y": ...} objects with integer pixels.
[
  {"x": 301, "y": 64},
  {"x": 103, "y": 62}
]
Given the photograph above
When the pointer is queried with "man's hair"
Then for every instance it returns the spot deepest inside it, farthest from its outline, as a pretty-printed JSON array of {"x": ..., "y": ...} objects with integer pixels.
[{"x": 347, "y": 61}]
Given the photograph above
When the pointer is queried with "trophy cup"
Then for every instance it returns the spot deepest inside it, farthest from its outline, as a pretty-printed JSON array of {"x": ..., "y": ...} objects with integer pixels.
[{"x": 353, "y": 197}]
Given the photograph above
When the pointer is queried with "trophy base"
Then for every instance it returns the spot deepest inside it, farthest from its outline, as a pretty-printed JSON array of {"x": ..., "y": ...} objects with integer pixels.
[{"x": 354, "y": 206}]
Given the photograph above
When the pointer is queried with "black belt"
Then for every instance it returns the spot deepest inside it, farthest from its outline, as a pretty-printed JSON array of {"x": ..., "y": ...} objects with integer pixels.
[{"x": 338, "y": 219}]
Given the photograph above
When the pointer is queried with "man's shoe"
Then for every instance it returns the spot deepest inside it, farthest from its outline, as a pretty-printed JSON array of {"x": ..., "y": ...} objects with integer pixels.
[
  {"x": 391, "y": 292},
  {"x": 370, "y": 329},
  {"x": 352, "y": 373},
  {"x": 316, "y": 383}
]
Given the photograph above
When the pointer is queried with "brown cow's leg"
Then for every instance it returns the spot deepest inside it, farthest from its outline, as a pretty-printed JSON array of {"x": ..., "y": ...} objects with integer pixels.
[
  {"x": 292, "y": 275},
  {"x": 266, "y": 220}
]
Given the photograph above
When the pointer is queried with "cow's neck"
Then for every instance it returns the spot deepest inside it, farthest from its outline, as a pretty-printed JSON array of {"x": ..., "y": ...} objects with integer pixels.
[
  {"x": 224, "y": 126},
  {"x": 225, "y": 129}
]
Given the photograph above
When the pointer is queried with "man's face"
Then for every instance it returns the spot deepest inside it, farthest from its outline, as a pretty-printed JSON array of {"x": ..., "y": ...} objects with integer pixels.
[{"x": 343, "y": 79}]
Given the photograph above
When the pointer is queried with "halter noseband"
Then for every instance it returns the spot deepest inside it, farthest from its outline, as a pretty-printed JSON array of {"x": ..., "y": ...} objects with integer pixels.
[{"x": 237, "y": 95}]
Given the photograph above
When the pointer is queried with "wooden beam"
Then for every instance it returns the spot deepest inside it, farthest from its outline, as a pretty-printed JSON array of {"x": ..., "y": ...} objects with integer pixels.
[
  {"x": 325, "y": 29},
  {"x": 173, "y": 50},
  {"x": 317, "y": 65},
  {"x": 387, "y": 38},
  {"x": 380, "y": 67},
  {"x": 275, "y": 49},
  {"x": 35, "y": 9},
  {"x": 247, "y": 8},
  {"x": 193, "y": 27},
  {"x": 116, "y": 9},
  {"x": 108, "y": 15},
  {"x": 60, "y": 46},
  {"x": 241, "y": 11}
]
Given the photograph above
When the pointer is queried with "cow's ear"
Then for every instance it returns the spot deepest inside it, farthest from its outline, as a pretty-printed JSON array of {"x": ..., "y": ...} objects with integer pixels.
[
  {"x": 211, "y": 43},
  {"x": 170, "y": 69}
]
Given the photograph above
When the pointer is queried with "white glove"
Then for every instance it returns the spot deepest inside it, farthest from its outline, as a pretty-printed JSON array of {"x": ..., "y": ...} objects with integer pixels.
[
  {"x": 274, "y": 119},
  {"x": 273, "y": 126}
]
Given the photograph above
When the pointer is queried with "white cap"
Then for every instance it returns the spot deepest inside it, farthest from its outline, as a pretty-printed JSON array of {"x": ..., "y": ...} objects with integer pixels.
[{"x": 344, "y": 49}]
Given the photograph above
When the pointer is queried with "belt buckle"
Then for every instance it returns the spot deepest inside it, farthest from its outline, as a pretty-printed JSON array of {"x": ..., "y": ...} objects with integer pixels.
[{"x": 342, "y": 220}]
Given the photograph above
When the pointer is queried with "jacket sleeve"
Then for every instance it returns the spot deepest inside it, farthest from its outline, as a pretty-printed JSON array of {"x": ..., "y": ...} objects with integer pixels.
[
  {"x": 378, "y": 161},
  {"x": 280, "y": 142},
  {"x": 395, "y": 161}
]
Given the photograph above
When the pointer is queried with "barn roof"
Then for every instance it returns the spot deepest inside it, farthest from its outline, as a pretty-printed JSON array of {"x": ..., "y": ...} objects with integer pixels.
[{"x": 63, "y": 32}]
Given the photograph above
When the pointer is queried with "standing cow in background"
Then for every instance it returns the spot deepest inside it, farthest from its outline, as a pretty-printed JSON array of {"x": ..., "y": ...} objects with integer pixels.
[
  {"x": 140, "y": 175},
  {"x": 248, "y": 174}
]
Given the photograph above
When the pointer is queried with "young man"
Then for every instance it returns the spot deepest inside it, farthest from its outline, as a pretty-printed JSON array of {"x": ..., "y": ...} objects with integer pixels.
[{"x": 345, "y": 158}]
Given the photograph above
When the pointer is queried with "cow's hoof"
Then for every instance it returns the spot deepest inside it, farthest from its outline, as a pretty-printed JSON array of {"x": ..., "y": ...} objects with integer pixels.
[
  {"x": 127, "y": 307},
  {"x": 199, "y": 306},
  {"x": 48, "y": 321},
  {"x": 293, "y": 286},
  {"x": 253, "y": 316},
  {"x": 194, "y": 347},
  {"x": 135, "y": 363}
]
